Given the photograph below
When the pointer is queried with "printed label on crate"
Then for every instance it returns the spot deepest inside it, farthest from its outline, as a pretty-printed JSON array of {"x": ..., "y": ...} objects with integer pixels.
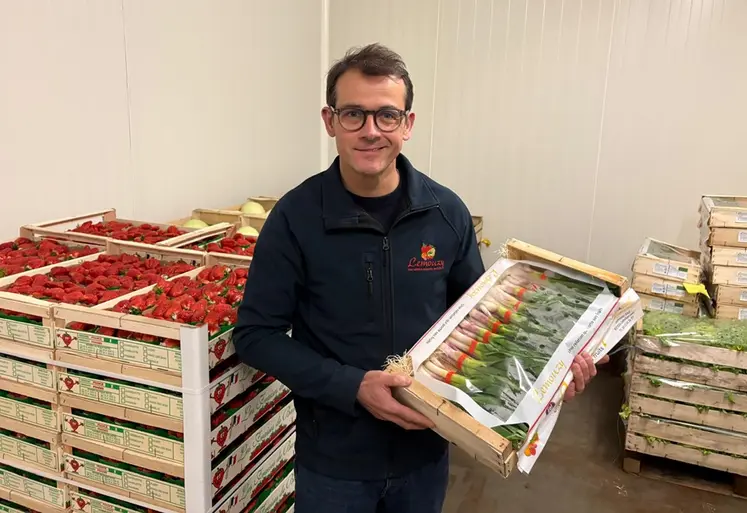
[
  {"x": 232, "y": 384},
  {"x": 743, "y": 314},
  {"x": 742, "y": 278},
  {"x": 27, "y": 333},
  {"x": 5, "y": 508},
  {"x": 249, "y": 497},
  {"x": 743, "y": 295},
  {"x": 260, "y": 476},
  {"x": 247, "y": 452},
  {"x": 278, "y": 496},
  {"x": 128, "y": 396},
  {"x": 33, "y": 488},
  {"x": 221, "y": 348},
  {"x": 742, "y": 217},
  {"x": 670, "y": 270},
  {"x": 23, "y": 372},
  {"x": 124, "y": 480},
  {"x": 742, "y": 257},
  {"x": 668, "y": 289},
  {"x": 142, "y": 354},
  {"x": 88, "y": 504},
  {"x": 663, "y": 305},
  {"x": 743, "y": 236},
  {"x": 23, "y": 450},
  {"x": 247, "y": 415},
  {"x": 127, "y": 438},
  {"x": 29, "y": 413}
]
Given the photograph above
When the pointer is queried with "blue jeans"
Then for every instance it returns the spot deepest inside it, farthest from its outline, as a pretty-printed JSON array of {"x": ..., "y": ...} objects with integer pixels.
[{"x": 422, "y": 491}]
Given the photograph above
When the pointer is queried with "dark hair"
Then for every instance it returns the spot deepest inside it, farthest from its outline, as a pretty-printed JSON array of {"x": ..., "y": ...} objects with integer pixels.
[{"x": 374, "y": 60}]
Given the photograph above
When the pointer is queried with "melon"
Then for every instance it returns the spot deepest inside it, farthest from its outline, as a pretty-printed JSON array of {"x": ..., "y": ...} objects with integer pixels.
[
  {"x": 247, "y": 231},
  {"x": 252, "y": 208},
  {"x": 195, "y": 223}
]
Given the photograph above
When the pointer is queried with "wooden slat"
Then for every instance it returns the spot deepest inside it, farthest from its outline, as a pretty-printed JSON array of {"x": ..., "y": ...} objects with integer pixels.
[
  {"x": 28, "y": 390},
  {"x": 691, "y": 436},
  {"x": 691, "y": 373},
  {"x": 122, "y": 413},
  {"x": 694, "y": 352},
  {"x": 29, "y": 502},
  {"x": 460, "y": 428},
  {"x": 715, "y": 461},
  {"x": 216, "y": 230},
  {"x": 714, "y": 398},
  {"x": 53, "y": 437},
  {"x": 687, "y": 413}
]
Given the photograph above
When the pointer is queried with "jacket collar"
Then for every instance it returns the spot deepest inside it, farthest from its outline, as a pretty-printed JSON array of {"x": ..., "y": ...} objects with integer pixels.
[{"x": 339, "y": 210}]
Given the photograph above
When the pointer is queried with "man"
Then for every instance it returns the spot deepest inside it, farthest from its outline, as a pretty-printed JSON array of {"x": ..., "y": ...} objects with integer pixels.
[{"x": 337, "y": 260}]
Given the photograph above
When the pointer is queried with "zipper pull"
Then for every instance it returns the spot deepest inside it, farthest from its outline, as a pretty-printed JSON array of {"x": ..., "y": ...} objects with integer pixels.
[
  {"x": 369, "y": 278},
  {"x": 385, "y": 244}
]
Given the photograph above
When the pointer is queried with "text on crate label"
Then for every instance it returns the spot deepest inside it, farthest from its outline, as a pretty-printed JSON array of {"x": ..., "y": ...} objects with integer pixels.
[
  {"x": 743, "y": 236},
  {"x": 742, "y": 217},
  {"x": 743, "y": 296},
  {"x": 670, "y": 270},
  {"x": 668, "y": 289},
  {"x": 743, "y": 314}
]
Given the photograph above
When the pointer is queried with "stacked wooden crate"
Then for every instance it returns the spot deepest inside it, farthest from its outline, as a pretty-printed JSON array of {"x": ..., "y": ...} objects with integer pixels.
[
  {"x": 723, "y": 238},
  {"x": 662, "y": 273},
  {"x": 94, "y": 402},
  {"x": 687, "y": 399}
]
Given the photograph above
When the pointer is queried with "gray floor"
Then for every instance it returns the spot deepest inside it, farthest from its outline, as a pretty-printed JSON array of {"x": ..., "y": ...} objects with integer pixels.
[{"x": 579, "y": 472}]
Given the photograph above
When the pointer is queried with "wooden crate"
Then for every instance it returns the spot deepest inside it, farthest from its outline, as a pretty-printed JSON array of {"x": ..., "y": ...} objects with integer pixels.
[
  {"x": 33, "y": 492},
  {"x": 663, "y": 260},
  {"x": 724, "y": 211},
  {"x": 692, "y": 410},
  {"x": 660, "y": 287},
  {"x": 454, "y": 424},
  {"x": 658, "y": 304},
  {"x": 35, "y": 454},
  {"x": 60, "y": 229},
  {"x": 267, "y": 496},
  {"x": 734, "y": 276},
  {"x": 726, "y": 295},
  {"x": 734, "y": 312},
  {"x": 29, "y": 378},
  {"x": 726, "y": 256}
]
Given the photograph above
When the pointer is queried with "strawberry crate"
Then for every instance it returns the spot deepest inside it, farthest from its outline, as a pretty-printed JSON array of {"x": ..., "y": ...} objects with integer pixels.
[
  {"x": 88, "y": 501},
  {"x": 131, "y": 335},
  {"x": 32, "y": 491},
  {"x": 28, "y": 377},
  {"x": 264, "y": 460},
  {"x": 42, "y": 455},
  {"x": 29, "y": 416},
  {"x": 103, "y": 226},
  {"x": 231, "y": 248},
  {"x": 26, "y": 299},
  {"x": 139, "y": 484},
  {"x": 26, "y": 254},
  {"x": 270, "y": 494},
  {"x": 11, "y": 507}
]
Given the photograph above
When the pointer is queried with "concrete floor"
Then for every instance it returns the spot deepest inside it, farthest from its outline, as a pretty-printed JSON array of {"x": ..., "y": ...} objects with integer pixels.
[{"x": 579, "y": 471}]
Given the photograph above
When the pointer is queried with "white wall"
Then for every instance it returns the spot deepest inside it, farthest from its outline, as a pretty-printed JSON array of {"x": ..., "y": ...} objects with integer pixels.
[
  {"x": 579, "y": 125},
  {"x": 155, "y": 107}
]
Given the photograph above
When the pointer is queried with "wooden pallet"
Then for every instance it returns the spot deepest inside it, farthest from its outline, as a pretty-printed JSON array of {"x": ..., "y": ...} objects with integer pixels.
[{"x": 685, "y": 474}]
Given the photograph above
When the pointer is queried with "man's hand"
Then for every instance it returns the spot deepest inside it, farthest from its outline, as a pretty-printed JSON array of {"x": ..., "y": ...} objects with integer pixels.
[
  {"x": 583, "y": 370},
  {"x": 375, "y": 394}
]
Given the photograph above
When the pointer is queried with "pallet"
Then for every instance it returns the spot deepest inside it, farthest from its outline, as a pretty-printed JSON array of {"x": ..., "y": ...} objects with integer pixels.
[{"x": 690, "y": 475}]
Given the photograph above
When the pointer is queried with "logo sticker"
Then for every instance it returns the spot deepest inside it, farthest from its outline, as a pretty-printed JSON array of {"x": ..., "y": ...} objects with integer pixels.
[{"x": 427, "y": 260}]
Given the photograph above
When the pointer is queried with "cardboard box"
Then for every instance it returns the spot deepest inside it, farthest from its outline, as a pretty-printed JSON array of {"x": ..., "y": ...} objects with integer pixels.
[
  {"x": 660, "y": 287},
  {"x": 663, "y": 260},
  {"x": 724, "y": 211},
  {"x": 658, "y": 304}
]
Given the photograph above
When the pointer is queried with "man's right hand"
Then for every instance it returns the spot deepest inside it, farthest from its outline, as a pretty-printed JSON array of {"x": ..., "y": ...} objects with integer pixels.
[{"x": 375, "y": 394}]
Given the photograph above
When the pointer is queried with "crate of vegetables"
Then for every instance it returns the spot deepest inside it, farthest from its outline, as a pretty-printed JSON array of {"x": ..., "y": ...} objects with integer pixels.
[
  {"x": 241, "y": 414},
  {"x": 687, "y": 399},
  {"x": 32, "y": 491},
  {"x": 30, "y": 451},
  {"x": 28, "y": 377},
  {"x": 275, "y": 494},
  {"x": 492, "y": 372},
  {"x": 140, "y": 334},
  {"x": 247, "y": 450},
  {"x": 29, "y": 416},
  {"x": 133, "y": 482},
  {"x": 132, "y": 443}
]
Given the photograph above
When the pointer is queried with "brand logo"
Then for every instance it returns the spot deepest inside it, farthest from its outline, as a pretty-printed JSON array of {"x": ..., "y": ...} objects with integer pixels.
[{"x": 427, "y": 260}]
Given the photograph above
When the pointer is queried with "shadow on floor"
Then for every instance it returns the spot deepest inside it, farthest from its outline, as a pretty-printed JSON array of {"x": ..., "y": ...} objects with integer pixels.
[{"x": 580, "y": 471}]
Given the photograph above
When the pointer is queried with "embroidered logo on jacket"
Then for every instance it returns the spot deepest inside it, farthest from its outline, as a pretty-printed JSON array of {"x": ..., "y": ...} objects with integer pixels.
[{"x": 427, "y": 260}]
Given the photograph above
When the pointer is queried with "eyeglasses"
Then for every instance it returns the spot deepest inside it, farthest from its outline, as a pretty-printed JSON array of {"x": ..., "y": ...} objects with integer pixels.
[{"x": 353, "y": 118}]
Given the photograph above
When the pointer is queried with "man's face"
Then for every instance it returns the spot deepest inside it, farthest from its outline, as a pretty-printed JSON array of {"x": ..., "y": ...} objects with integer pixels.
[{"x": 368, "y": 151}]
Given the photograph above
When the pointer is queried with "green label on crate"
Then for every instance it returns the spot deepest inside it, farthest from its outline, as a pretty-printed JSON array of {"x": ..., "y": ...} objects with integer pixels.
[
  {"x": 125, "y": 480},
  {"x": 25, "y": 451},
  {"x": 7, "y": 509},
  {"x": 29, "y": 414},
  {"x": 27, "y": 333},
  {"x": 23, "y": 372},
  {"x": 33, "y": 489},
  {"x": 126, "y": 438},
  {"x": 83, "y": 502},
  {"x": 133, "y": 352},
  {"x": 128, "y": 396}
]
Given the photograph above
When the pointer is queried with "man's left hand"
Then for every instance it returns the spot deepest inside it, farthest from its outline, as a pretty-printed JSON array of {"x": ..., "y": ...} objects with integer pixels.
[{"x": 583, "y": 370}]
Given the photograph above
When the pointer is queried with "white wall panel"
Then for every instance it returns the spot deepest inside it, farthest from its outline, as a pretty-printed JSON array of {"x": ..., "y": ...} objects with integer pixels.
[
  {"x": 64, "y": 139},
  {"x": 224, "y": 99}
]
